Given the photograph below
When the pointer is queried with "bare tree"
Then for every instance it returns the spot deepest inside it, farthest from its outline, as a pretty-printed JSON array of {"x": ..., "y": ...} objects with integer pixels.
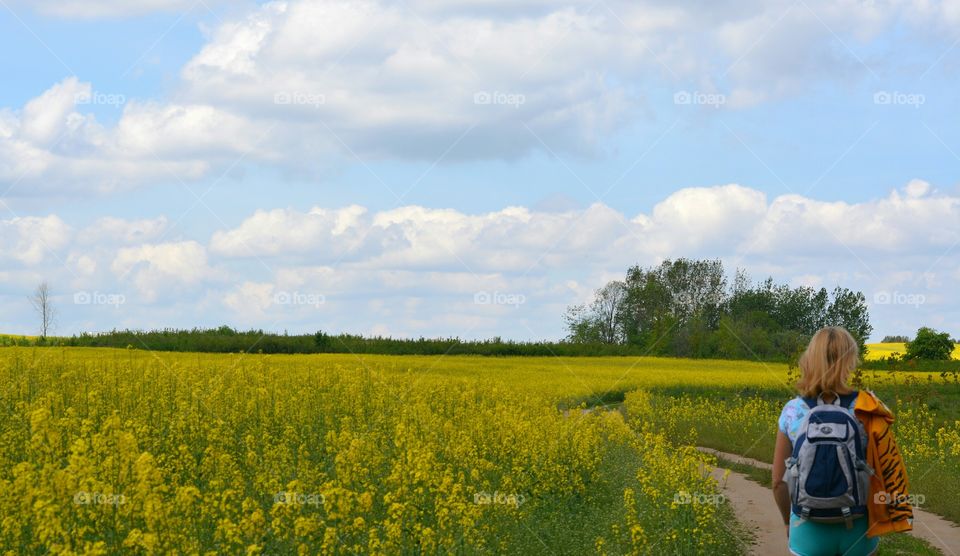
[{"x": 44, "y": 306}]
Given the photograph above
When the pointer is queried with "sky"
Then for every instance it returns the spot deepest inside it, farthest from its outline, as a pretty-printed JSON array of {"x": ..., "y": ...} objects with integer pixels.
[{"x": 468, "y": 168}]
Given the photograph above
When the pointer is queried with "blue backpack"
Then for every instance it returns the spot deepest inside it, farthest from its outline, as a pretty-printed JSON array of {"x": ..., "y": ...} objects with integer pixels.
[{"x": 827, "y": 475}]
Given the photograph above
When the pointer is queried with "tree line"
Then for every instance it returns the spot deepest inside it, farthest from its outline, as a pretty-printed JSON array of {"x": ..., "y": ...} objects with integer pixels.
[
  {"x": 681, "y": 308},
  {"x": 688, "y": 308},
  {"x": 225, "y": 339}
]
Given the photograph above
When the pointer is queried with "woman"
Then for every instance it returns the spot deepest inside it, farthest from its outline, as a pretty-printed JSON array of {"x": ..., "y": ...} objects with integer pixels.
[{"x": 825, "y": 368}]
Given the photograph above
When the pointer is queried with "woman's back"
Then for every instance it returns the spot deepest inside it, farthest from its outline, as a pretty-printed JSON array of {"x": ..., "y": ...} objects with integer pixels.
[{"x": 847, "y": 492}]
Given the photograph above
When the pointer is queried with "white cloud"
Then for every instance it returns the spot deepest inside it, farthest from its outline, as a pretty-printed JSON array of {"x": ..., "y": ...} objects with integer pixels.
[
  {"x": 33, "y": 239},
  {"x": 50, "y": 145},
  {"x": 319, "y": 231},
  {"x": 700, "y": 221},
  {"x": 915, "y": 219},
  {"x": 413, "y": 268},
  {"x": 169, "y": 268},
  {"x": 250, "y": 300},
  {"x": 109, "y": 230},
  {"x": 462, "y": 80},
  {"x": 698, "y": 217}
]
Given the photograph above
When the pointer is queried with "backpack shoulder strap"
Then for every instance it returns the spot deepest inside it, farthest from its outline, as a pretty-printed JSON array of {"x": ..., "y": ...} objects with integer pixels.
[
  {"x": 847, "y": 400},
  {"x": 811, "y": 402}
]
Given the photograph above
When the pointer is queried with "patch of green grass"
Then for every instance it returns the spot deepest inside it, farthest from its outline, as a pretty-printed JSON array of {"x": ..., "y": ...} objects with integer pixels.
[
  {"x": 755, "y": 474},
  {"x": 905, "y": 545}
]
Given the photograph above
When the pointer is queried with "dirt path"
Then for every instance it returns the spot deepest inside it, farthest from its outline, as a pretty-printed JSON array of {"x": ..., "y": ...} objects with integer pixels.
[
  {"x": 754, "y": 507},
  {"x": 753, "y": 504}
]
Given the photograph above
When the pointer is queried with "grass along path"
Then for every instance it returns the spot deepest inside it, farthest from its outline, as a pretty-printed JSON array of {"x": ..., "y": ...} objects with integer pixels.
[{"x": 931, "y": 528}]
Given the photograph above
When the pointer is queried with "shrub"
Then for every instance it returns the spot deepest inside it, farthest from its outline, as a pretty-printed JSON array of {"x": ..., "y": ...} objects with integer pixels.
[{"x": 930, "y": 345}]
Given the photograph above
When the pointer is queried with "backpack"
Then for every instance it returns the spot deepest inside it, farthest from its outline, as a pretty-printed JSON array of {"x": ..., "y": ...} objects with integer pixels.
[{"x": 827, "y": 475}]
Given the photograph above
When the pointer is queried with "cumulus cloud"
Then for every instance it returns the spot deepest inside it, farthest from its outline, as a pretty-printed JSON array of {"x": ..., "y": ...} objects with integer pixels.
[
  {"x": 33, "y": 239},
  {"x": 109, "y": 230},
  {"x": 50, "y": 144},
  {"x": 429, "y": 81},
  {"x": 320, "y": 231},
  {"x": 250, "y": 300},
  {"x": 897, "y": 223},
  {"x": 170, "y": 268},
  {"x": 699, "y": 221},
  {"x": 505, "y": 272}
]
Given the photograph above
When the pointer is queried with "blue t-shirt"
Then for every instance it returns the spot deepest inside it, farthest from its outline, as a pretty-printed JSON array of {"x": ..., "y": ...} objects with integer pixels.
[{"x": 792, "y": 415}]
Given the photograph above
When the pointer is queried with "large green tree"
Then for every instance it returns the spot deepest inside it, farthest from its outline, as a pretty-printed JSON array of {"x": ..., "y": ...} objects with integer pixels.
[{"x": 684, "y": 307}]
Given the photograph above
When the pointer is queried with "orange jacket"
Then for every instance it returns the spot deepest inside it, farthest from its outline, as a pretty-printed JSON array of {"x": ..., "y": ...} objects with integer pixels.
[{"x": 888, "y": 509}]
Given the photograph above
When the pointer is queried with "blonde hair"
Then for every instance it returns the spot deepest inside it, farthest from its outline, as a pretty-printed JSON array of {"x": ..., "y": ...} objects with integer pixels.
[{"x": 827, "y": 362}]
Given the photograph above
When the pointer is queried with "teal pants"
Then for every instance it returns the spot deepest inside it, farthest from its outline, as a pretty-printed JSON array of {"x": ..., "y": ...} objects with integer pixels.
[{"x": 808, "y": 538}]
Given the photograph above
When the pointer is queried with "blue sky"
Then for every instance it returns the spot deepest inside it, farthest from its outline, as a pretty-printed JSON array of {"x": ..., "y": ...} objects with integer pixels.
[{"x": 379, "y": 167}]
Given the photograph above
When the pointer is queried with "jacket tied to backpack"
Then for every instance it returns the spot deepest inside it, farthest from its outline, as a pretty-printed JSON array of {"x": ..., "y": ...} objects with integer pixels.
[
  {"x": 889, "y": 509},
  {"x": 845, "y": 465}
]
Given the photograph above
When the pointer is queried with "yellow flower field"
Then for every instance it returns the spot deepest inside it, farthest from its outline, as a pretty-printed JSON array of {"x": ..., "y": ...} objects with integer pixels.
[
  {"x": 105, "y": 451},
  {"x": 881, "y": 350}
]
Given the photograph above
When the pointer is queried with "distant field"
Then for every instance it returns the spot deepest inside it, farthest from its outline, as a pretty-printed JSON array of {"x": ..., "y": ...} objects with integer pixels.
[
  {"x": 17, "y": 337},
  {"x": 881, "y": 350}
]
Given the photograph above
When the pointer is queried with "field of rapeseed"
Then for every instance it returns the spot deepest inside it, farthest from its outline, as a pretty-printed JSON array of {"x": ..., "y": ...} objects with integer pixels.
[{"x": 105, "y": 451}]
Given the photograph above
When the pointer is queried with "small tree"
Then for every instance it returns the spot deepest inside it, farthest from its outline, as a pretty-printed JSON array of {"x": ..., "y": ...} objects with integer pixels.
[
  {"x": 41, "y": 302},
  {"x": 930, "y": 345}
]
